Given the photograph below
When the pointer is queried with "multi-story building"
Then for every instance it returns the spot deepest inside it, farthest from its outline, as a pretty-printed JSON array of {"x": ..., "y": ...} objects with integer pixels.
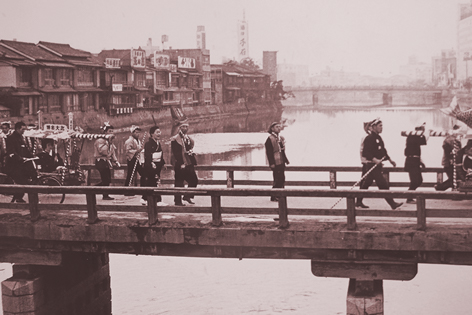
[
  {"x": 464, "y": 41},
  {"x": 194, "y": 67},
  {"x": 236, "y": 83},
  {"x": 444, "y": 68},
  {"x": 127, "y": 80},
  {"x": 53, "y": 78}
]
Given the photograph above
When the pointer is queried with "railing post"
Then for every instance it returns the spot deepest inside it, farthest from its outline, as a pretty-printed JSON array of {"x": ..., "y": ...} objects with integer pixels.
[
  {"x": 229, "y": 179},
  {"x": 283, "y": 212},
  {"x": 332, "y": 180},
  {"x": 351, "y": 214},
  {"x": 421, "y": 213},
  {"x": 33, "y": 201},
  {"x": 386, "y": 175},
  {"x": 216, "y": 210},
  {"x": 439, "y": 177},
  {"x": 92, "y": 216},
  {"x": 152, "y": 209}
]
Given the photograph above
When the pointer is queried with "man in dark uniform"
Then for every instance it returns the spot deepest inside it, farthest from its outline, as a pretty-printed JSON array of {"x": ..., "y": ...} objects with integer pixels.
[
  {"x": 184, "y": 162},
  {"x": 413, "y": 162},
  {"x": 18, "y": 167},
  {"x": 275, "y": 152},
  {"x": 374, "y": 151}
]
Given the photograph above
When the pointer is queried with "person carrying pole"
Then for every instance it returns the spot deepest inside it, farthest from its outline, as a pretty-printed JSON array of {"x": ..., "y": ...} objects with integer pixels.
[
  {"x": 413, "y": 162},
  {"x": 134, "y": 157},
  {"x": 374, "y": 151}
]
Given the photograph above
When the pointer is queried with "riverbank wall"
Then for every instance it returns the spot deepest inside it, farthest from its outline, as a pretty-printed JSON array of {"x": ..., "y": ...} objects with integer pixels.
[{"x": 90, "y": 121}]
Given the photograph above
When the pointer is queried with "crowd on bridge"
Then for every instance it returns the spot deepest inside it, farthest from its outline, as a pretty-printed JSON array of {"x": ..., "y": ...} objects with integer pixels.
[{"x": 21, "y": 163}]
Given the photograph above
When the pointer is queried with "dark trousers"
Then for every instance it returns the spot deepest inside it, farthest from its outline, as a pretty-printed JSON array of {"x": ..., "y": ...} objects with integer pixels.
[
  {"x": 416, "y": 178},
  {"x": 182, "y": 175},
  {"x": 278, "y": 173},
  {"x": 449, "y": 170},
  {"x": 377, "y": 175},
  {"x": 139, "y": 170},
  {"x": 103, "y": 168},
  {"x": 152, "y": 179},
  {"x": 21, "y": 176}
]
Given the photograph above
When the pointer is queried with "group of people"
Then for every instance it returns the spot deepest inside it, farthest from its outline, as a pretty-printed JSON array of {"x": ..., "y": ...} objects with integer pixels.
[
  {"x": 147, "y": 160},
  {"x": 19, "y": 160},
  {"x": 456, "y": 161}
]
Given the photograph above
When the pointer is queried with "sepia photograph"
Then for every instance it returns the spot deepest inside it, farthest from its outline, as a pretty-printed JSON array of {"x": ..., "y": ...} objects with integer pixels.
[{"x": 235, "y": 157}]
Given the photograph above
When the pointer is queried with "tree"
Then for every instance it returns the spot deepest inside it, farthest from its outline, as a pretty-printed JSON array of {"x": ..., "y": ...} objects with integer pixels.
[{"x": 249, "y": 63}]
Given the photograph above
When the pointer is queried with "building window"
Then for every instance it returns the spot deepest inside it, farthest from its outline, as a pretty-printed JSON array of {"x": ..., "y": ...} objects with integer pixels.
[
  {"x": 169, "y": 96},
  {"x": 26, "y": 76},
  {"x": 140, "y": 79},
  {"x": 64, "y": 76},
  {"x": 47, "y": 77},
  {"x": 54, "y": 103},
  {"x": 85, "y": 77},
  {"x": 72, "y": 102}
]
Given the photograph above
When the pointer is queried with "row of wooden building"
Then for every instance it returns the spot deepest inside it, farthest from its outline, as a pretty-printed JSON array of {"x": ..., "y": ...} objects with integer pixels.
[{"x": 56, "y": 79}]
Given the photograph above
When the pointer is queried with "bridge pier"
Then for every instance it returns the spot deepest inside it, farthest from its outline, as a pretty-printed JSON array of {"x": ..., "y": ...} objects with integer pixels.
[
  {"x": 80, "y": 285},
  {"x": 365, "y": 297}
]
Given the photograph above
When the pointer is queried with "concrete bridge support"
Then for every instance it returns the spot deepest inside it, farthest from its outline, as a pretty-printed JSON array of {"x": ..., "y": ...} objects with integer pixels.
[
  {"x": 80, "y": 285},
  {"x": 365, "y": 297}
]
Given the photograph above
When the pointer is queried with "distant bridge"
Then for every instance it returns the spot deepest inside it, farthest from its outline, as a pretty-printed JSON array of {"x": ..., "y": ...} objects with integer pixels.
[
  {"x": 366, "y": 95},
  {"x": 61, "y": 251}
]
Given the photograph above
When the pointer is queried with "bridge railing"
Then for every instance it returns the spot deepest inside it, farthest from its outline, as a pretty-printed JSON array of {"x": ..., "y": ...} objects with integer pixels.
[
  {"x": 331, "y": 173},
  {"x": 216, "y": 209}
]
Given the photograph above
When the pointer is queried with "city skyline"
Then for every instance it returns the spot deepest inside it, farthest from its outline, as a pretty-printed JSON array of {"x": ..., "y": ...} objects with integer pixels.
[{"x": 366, "y": 36}]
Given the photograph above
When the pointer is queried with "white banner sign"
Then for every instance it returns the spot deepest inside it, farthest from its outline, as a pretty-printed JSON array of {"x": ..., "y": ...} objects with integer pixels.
[
  {"x": 138, "y": 58},
  {"x": 112, "y": 63},
  {"x": 187, "y": 63},
  {"x": 243, "y": 40},
  {"x": 117, "y": 87},
  {"x": 161, "y": 61}
]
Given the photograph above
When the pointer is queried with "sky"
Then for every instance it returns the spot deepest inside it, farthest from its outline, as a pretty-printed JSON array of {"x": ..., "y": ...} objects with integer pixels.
[{"x": 372, "y": 37}]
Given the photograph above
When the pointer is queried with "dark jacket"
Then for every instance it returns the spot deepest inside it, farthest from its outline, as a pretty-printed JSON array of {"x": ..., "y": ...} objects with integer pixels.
[
  {"x": 178, "y": 156},
  {"x": 48, "y": 162},
  {"x": 17, "y": 150},
  {"x": 272, "y": 152},
  {"x": 374, "y": 147},
  {"x": 149, "y": 148}
]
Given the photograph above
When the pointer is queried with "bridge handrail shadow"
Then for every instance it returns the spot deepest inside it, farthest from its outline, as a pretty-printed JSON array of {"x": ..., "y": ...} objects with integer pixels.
[{"x": 216, "y": 209}]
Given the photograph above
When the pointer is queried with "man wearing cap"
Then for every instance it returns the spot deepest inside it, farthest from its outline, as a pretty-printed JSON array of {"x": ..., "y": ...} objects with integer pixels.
[
  {"x": 374, "y": 151},
  {"x": 413, "y": 162},
  {"x": 184, "y": 162},
  {"x": 134, "y": 156},
  {"x": 275, "y": 152},
  {"x": 105, "y": 157}
]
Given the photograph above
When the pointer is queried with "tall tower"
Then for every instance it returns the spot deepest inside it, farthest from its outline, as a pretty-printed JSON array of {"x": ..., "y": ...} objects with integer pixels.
[
  {"x": 243, "y": 38},
  {"x": 201, "y": 37},
  {"x": 269, "y": 64}
]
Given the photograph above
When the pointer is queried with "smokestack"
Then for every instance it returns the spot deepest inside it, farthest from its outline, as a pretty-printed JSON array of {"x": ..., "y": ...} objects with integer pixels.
[{"x": 149, "y": 43}]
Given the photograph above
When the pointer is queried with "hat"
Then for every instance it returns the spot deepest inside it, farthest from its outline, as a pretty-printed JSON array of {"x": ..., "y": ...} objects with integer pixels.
[
  {"x": 182, "y": 123},
  {"x": 134, "y": 128},
  {"x": 419, "y": 128},
  {"x": 6, "y": 123},
  {"x": 376, "y": 121},
  {"x": 272, "y": 125},
  {"x": 106, "y": 126}
]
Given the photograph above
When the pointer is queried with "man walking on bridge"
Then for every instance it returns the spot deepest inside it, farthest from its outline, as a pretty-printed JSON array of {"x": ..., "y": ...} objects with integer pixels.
[
  {"x": 375, "y": 153},
  {"x": 275, "y": 152}
]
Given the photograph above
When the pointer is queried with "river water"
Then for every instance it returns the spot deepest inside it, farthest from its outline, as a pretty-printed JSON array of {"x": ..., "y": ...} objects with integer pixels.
[{"x": 174, "y": 285}]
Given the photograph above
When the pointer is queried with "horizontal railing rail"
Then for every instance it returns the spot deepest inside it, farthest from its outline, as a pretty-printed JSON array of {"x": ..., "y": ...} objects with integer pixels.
[
  {"x": 217, "y": 210},
  {"x": 331, "y": 181}
]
